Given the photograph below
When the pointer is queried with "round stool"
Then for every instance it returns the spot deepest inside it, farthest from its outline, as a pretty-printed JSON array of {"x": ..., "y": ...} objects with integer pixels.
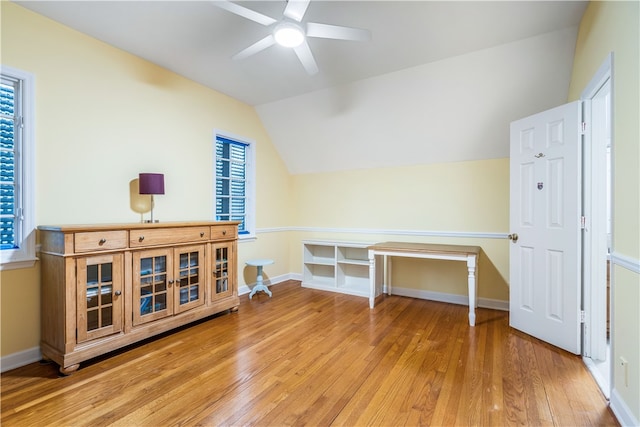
[{"x": 260, "y": 286}]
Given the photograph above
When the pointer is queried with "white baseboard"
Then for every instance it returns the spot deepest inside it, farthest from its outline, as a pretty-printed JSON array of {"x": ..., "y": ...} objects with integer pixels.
[
  {"x": 450, "y": 298},
  {"x": 19, "y": 359},
  {"x": 245, "y": 289},
  {"x": 405, "y": 292},
  {"x": 598, "y": 376},
  {"x": 622, "y": 411}
]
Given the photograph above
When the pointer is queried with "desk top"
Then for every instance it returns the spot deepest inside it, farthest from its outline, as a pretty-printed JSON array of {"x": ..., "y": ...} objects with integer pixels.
[{"x": 426, "y": 248}]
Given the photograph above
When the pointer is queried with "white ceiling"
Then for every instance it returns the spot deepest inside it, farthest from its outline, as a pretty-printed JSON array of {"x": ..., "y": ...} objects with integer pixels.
[
  {"x": 439, "y": 82},
  {"x": 196, "y": 39}
]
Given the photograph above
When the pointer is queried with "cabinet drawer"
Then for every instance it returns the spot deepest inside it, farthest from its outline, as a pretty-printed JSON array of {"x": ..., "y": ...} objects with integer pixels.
[
  {"x": 224, "y": 232},
  {"x": 168, "y": 236},
  {"x": 100, "y": 240}
]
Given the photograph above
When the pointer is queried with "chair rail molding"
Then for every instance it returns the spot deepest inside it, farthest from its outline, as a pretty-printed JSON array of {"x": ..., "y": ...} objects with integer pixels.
[
  {"x": 626, "y": 262},
  {"x": 384, "y": 231}
]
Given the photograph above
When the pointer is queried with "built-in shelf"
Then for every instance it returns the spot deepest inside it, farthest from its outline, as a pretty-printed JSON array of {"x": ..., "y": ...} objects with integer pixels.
[{"x": 336, "y": 266}]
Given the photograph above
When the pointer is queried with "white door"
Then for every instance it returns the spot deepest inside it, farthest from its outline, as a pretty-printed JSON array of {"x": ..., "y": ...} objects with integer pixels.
[{"x": 545, "y": 259}]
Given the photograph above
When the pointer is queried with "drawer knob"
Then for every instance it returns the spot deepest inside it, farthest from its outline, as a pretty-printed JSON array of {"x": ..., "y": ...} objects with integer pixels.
[
  {"x": 140, "y": 239},
  {"x": 202, "y": 234},
  {"x": 224, "y": 232},
  {"x": 118, "y": 293},
  {"x": 102, "y": 241}
]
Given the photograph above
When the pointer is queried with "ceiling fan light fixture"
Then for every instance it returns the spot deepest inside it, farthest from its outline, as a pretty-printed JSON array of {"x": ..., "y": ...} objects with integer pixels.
[{"x": 288, "y": 34}]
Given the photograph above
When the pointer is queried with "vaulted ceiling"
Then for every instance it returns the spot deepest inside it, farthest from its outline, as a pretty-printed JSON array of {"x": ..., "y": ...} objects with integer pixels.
[{"x": 439, "y": 79}]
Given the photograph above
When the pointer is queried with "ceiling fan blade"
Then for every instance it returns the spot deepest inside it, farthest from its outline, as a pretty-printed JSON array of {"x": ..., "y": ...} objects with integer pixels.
[
  {"x": 306, "y": 57},
  {"x": 337, "y": 32},
  {"x": 255, "y": 48},
  {"x": 296, "y": 9},
  {"x": 244, "y": 12}
]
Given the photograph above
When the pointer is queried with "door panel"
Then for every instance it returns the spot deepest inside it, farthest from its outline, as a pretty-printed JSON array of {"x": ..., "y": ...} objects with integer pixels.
[
  {"x": 190, "y": 279},
  {"x": 99, "y": 301},
  {"x": 545, "y": 214},
  {"x": 152, "y": 285}
]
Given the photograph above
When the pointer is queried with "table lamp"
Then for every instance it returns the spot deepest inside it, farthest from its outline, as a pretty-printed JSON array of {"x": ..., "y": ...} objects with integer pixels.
[{"x": 151, "y": 183}]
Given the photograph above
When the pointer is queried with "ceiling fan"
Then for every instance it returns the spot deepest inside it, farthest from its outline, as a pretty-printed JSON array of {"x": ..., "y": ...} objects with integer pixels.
[{"x": 291, "y": 32}]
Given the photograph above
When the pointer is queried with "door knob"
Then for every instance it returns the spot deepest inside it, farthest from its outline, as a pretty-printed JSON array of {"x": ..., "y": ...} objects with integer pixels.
[{"x": 513, "y": 237}]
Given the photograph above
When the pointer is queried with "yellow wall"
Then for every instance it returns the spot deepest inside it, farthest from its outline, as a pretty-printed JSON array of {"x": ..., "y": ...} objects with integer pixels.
[
  {"x": 20, "y": 310},
  {"x": 615, "y": 27},
  {"x": 465, "y": 197},
  {"x": 103, "y": 116}
]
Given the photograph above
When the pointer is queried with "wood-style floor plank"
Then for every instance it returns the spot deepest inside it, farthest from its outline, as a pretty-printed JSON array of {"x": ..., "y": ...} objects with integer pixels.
[{"x": 307, "y": 357}]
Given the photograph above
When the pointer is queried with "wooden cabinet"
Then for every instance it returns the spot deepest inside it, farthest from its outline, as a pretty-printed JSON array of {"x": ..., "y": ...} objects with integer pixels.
[
  {"x": 336, "y": 266},
  {"x": 108, "y": 286}
]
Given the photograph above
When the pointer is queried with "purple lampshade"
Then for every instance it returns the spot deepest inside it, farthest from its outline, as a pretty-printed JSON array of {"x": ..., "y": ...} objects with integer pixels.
[{"x": 151, "y": 183}]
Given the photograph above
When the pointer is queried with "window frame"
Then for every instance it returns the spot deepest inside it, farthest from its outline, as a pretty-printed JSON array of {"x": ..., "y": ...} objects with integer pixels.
[
  {"x": 250, "y": 182},
  {"x": 24, "y": 256}
]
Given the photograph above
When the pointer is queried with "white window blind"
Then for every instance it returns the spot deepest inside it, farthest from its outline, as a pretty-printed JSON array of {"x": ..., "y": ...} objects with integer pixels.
[
  {"x": 17, "y": 155},
  {"x": 232, "y": 172},
  {"x": 10, "y": 138}
]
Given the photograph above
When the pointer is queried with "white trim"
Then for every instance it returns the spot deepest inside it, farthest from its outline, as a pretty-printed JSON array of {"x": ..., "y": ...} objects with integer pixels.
[
  {"x": 599, "y": 78},
  {"x": 250, "y": 219},
  {"x": 603, "y": 383},
  {"x": 18, "y": 264},
  {"x": 450, "y": 298},
  {"x": 626, "y": 262},
  {"x": 428, "y": 233},
  {"x": 406, "y": 292},
  {"x": 25, "y": 256},
  {"x": 245, "y": 289},
  {"x": 622, "y": 412},
  {"x": 597, "y": 109},
  {"x": 21, "y": 358}
]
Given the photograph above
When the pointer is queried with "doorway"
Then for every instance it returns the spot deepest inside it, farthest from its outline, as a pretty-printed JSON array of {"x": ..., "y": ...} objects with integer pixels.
[
  {"x": 568, "y": 305},
  {"x": 597, "y": 244}
]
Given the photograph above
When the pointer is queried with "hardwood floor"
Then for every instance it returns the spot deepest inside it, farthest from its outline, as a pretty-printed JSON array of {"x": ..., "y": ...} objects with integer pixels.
[{"x": 307, "y": 357}]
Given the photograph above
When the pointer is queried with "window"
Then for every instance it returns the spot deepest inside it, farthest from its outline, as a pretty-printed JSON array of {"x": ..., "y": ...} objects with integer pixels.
[
  {"x": 235, "y": 188},
  {"x": 17, "y": 231}
]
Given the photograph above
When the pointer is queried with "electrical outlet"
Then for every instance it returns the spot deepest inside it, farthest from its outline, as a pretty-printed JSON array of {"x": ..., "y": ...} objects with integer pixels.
[{"x": 625, "y": 364}]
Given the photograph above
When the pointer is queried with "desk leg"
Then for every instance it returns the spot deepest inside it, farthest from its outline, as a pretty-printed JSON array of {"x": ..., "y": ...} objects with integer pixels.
[
  {"x": 372, "y": 279},
  {"x": 387, "y": 263},
  {"x": 473, "y": 289}
]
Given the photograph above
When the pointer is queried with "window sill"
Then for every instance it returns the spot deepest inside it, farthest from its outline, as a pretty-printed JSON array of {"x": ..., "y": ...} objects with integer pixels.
[{"x": 18, "y": 264}]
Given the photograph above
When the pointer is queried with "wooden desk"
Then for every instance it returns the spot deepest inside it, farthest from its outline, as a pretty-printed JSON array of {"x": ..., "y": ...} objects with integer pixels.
[{"x": 469, "y": 254}]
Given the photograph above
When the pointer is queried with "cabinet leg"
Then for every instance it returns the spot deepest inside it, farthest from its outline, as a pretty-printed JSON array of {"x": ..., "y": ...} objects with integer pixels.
[
  {"x": 68, "y": 370},
  {"x": 234, "y": 309}
]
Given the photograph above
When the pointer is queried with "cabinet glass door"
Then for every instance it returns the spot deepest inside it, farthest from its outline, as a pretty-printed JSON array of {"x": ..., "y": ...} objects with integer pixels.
[
  {"x": 189, "y": 281},
  {"x": 222, "y": 270},
  {"x": 152, "y": 287},
  {"x": 99, "y": 301}
]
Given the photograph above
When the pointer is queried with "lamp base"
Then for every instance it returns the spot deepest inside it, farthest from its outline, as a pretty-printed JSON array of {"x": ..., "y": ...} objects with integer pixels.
[{"x": 149, "y": 221}]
